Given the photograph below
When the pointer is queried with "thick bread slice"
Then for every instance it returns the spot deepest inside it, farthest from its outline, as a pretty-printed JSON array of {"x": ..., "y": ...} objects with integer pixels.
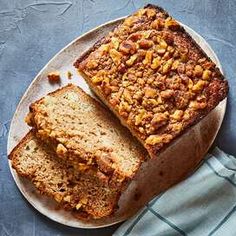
[
  {"x": 153, "y": 76},
  {"x": 82, "y": 192},
  {"x": 84, "y": 133}
]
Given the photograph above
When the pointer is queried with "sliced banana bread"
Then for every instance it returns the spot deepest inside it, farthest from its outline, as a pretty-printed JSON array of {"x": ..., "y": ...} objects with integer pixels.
[
  {"x": 84, "y": 192},
  {"x": 84, "y": 133},
  {"x": 153, "y": 76}
]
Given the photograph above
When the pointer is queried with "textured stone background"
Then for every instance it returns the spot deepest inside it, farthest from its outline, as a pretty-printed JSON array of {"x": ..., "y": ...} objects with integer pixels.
[{"x": 32, "y": 31}]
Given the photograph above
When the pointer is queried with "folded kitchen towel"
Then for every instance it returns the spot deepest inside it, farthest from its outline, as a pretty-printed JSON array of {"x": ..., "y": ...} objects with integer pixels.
[{"x": 203, "y": 204}]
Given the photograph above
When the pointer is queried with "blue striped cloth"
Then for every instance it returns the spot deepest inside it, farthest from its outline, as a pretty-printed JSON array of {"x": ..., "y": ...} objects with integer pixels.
[{"x": 203, "y": 204}]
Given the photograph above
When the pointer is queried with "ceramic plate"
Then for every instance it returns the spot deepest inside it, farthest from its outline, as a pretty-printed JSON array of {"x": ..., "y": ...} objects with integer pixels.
[{"x": 63, "y": 62}]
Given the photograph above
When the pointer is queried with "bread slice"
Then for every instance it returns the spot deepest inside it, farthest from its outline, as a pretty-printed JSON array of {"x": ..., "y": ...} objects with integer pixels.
[
  {"x": 83, "y": 192},
  {"x": 85, "y": 134},
  {"x": 153, "y": 76}
]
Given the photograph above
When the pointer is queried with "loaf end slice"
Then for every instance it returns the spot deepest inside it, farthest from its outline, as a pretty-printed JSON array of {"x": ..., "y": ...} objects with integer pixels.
[{"x": 81, "y": 192}]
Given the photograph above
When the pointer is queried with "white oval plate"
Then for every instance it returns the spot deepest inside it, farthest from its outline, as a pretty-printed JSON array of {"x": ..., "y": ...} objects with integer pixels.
[{"x": 63, "y": 62}]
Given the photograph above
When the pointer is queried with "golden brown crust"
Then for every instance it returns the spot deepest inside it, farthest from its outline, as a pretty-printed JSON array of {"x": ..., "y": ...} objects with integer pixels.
[{"x": 153, "y": 76}]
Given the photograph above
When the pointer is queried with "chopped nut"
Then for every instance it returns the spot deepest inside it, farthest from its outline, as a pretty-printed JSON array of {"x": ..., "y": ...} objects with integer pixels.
[
  {"x": 84, "y": 201},
  {"x": 116, "y": 56},
  {"x": 148, "y": 58},
  {"x": 69, "y": 75},
  {"x": 159, "y": 119},
  {"x": 144, "y": 43},
  {"x": 158, "y": 24},
  {"x": 167, "y": 66},
  {"x": 131, "y": 61},
  {"x": 104, "y": 47},
  {"x": 115, "y": 43},
  {"x": 139, "y": 117},
  {"x": 172, "y": 24},
  {"x": 128, "y": 47},
  {"x": 199, "y": 86},
  {"x": 163, "y": 44},
  {"x": 197, "y": 105},
  {"x": 177, "y": 115},
  {"x": 58, "y": 197},
  {"x": 150, "y": 12},
  {"x": 190, "y": 83},
  {"x": 175, "y": 65},
  {"x": 92, "y": 64},
  {"x": 124, "y": 108},
  {"x": 161, "y": 51},
  {"x": 127, "y": 96},
  {"x": 156, "y": 139},
  {"x": 167, "y": 93},
  {"x": 67, "y": 198},
  {"x": 176, "y": 127},
  {"x": 78, "y": 206},
  {"x": 206, "y": 74},
  {"x": 61, "y": 149},
  {"x": 168, "y": 37},
  {"x": 150, "y": 92},
  {"x": 181, "y": 68},
  {"x": 97, "y": 79},
  {"x": 135, "y": 36},
  {"x": 54, "y": 77},
  {"x": 138, "y": 95},
  {"x": 166, "y": 56},
  {"x": 198, "y": 70},
  {"x": 170, "y": 49},
  {"x": 155, "y": 63}
]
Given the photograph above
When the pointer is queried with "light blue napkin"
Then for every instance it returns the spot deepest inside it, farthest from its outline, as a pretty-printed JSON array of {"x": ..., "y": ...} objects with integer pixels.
[{"x": 203, "y": 204}]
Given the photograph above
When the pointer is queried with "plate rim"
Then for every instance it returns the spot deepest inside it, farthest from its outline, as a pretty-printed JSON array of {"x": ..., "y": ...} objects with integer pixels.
[{"x": 13, "y": 172}]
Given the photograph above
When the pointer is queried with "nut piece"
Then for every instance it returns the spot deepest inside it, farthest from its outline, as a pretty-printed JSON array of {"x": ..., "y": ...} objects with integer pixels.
[
  {"x": 198, "y": 70},
  {"x": 172, "y": 24},
  {"x": 148, "y": 58},
  {"x": 128, "y": 47},
  {"x": 199, "y": 86},
  {"x": 92, "y": 64},
  {"x": 115, "y": 56},
  {"x": 167, "y": 66},
  {"x": 114, "y": 43},
  {"x": 175, "y": 65},
  {"x": 131, "y": 61},
  {"x": 155, "y": 63},
  {"x": 69, "y": 75},
  {"x": 197, "y": 105},
  {"x": 97, "y": 79},
  {"x": 150, "y": 92},
  {"x": 54, "y": 77},
  {"x": 127, "y": 96},
  {"x": 58, "y": 197},
  {"x": 145, "y": 44},
  {"x": 156, "y": 139},
  {"x": 67, "y": 198},
  {"x": 159, "y": 119},
  {"x": 61, "y": 149},
  {"x": 78, "y": 206},
  {"x": 150, "y": 12},
  {"x": 139, "y": 117},
  {"x": 167, "y": 93},
  {"x": 177, "y": 115},
  {"x": 206, "y": 74},
  {"x": 163, "y": 44}
]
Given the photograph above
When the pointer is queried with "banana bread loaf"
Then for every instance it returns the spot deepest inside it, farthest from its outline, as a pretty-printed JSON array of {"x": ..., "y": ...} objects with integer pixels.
[{"x": 153, "y": 76}]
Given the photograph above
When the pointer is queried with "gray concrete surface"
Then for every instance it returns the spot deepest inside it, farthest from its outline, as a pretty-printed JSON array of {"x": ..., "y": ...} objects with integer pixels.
[{"x": 32, "y": 31}]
